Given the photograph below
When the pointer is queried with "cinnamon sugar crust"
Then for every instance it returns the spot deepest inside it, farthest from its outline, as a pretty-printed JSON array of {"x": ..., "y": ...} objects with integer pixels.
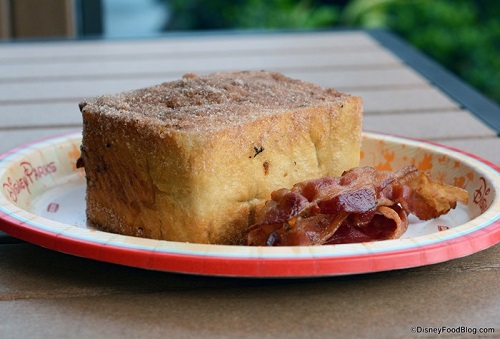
[{"x": 209, "y": 103}]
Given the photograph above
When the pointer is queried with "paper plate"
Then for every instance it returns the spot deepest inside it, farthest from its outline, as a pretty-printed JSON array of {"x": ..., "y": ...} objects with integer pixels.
[{"x": 42, "y": 201}]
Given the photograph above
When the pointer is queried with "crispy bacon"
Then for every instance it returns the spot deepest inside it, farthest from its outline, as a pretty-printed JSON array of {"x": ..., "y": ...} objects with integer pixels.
[{"x": 363, "y": 204}]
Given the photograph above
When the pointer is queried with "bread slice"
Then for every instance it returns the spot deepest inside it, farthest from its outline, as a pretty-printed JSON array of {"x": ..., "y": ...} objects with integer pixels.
[{"x": 194, "y": 160}]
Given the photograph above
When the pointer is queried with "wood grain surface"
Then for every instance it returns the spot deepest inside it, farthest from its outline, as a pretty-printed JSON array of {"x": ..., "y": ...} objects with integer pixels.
[{"x": 49, "y": 294}]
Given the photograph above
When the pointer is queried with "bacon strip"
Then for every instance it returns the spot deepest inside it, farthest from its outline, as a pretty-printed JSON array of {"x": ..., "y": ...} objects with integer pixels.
[{"x": 361, "y": 205}]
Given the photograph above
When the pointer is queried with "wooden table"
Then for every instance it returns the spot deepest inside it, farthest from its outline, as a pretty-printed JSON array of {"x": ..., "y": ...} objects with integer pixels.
[{"x": 49, "y": 294}]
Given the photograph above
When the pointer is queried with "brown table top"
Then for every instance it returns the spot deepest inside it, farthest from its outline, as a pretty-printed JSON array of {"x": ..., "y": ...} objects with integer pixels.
[{"x": 44, "y": 293}]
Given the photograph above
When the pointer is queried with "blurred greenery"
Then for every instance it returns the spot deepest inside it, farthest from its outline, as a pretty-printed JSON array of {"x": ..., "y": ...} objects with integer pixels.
[
  {"x": 250, "y": 14},
  {"x": 462, "y": 35}
]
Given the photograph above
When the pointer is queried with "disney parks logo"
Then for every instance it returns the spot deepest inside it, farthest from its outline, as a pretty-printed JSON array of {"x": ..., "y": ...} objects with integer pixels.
[
  {"x": 15, "y": 187},
  {"x": 480, "y": 195}
]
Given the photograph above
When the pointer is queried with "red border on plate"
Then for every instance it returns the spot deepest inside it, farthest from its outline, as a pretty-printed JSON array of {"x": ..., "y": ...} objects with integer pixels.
[
  {"x": 260, "y": 267},
  {"x": 257, "y": 267}
]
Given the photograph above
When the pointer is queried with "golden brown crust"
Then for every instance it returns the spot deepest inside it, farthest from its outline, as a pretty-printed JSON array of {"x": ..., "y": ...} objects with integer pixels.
[{"x": 167, "y": 162}]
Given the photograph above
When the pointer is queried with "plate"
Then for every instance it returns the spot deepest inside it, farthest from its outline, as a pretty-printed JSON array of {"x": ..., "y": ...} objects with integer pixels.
[{"x": 42, "y": 201}]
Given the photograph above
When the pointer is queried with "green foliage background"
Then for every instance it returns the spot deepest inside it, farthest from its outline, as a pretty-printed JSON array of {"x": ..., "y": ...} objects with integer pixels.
[{"x": 462, "y": 35}]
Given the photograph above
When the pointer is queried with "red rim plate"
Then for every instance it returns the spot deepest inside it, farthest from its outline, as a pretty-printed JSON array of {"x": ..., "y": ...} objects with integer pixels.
[{"x": 40, "y": 166}]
